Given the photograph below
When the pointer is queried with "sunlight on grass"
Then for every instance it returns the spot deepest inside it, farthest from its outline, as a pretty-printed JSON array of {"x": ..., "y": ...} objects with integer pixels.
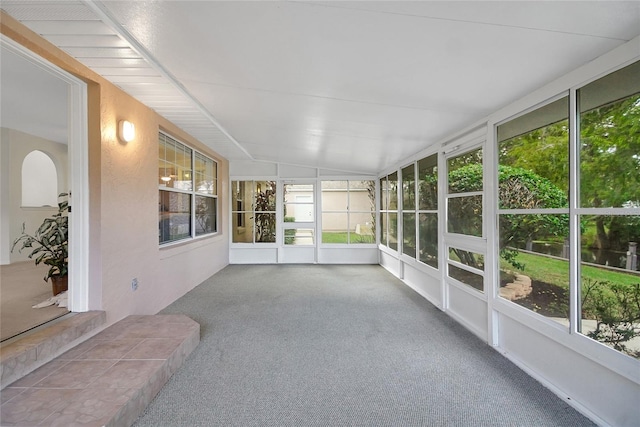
[{"x": 556, "y": 271}]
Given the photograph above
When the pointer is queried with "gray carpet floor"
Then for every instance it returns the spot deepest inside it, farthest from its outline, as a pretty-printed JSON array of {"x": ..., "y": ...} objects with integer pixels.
[{"x": 287, "y": 345}]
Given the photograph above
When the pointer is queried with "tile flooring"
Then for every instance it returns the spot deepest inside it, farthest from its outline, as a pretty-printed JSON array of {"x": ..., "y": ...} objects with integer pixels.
[{"x": 107, "y": 380}]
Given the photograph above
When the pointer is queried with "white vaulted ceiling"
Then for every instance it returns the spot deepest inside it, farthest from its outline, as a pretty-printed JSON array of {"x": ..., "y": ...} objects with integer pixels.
[{"x": 355, "y": 86}]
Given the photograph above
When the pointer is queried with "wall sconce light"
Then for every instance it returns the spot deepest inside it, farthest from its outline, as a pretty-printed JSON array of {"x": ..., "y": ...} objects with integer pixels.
[
  {"x": 165, "y": 178},
  {"x": 126, "y": 131}
]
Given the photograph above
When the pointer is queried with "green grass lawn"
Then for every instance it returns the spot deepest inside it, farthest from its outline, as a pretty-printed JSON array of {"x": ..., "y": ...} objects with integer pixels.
[
  {"x": 341, "y": 237},
  {"x": 334, "y": 237},
  {"x": 556, "y": 272}
]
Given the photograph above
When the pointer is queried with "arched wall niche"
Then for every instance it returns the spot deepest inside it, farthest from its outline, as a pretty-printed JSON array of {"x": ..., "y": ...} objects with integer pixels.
[{"x": 39, "y": 180}]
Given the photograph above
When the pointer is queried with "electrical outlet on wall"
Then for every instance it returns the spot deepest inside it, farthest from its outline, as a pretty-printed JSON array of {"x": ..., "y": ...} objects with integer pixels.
[{"x": 134, "y": 284}]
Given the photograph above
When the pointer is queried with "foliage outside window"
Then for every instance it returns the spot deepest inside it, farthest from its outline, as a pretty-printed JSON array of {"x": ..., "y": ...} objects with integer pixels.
[
  {"x": 409, "y": 210},
  {"x": 466, "y": 267},
  {"x": 534, "y": 213},
  {"x": 464, "y": 198},
  {"x": 188, "y": 201},
  {"x": 389, "y": 210},
  {"x": 253, "y": 211},
  {"x": 533, "y": 179},
  {"x": 609, "y": 170},
  {"x": 348, "y": 212},
  {"x": 464, "y": 215},
  {"x": 420, "y": 210},
  {"x": 428, "y": 210}
]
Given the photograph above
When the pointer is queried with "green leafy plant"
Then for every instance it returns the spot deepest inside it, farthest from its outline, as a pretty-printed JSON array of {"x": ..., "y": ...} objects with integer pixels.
[
  {"x": 616, "y": 309},
  {"x": 50, "y": 243},
  {"x": 265, "y": 218}
]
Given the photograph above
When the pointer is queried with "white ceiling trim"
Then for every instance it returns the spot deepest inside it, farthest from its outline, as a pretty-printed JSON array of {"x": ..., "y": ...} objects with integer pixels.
[{"x": 103, "y": 13}]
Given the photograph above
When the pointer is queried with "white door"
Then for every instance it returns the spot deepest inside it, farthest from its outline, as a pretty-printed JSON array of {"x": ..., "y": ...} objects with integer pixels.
[
  {"x": 464, "y": 240},
  {"x": 299, "y": 223}
]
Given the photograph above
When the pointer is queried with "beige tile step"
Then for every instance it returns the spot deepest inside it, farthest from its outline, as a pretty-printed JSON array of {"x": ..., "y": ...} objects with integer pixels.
[
  {"x": 23, "y": 355},
  {"x": 107, "y": 380}
]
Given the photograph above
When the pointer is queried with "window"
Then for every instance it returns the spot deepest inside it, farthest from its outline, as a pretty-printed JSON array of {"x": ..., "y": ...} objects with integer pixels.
[
  {"x": 464, "y": 198},
  {"x": 409, "y": 210},
  {"x": 299, "y": 214},
  {"x": 609, "y": 209},
  {"x": 188, "y": 196},
  {"x": 466, "y": 267},
  {"x": 389, "y": 211},
  {"x": 533, "y": 222},
  {"x": 536, "y": 214},
  {"x": 253, "y": 211},
  {"x": 348, "y": 212},
  {"x": 428, "y": 210}
]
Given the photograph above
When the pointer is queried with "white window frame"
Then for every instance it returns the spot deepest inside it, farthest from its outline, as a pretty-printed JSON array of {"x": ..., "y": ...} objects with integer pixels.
[{"x": 193, "y": 193}]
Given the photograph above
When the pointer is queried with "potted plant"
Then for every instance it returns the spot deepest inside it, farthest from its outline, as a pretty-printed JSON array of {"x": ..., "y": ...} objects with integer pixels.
[{"x": 50, "y": 245}]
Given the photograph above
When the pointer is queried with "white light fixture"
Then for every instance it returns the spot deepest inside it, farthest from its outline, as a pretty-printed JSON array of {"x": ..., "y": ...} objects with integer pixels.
[
  {"x": 126, "y": 130},
  {"x": 165, "y": 178}
]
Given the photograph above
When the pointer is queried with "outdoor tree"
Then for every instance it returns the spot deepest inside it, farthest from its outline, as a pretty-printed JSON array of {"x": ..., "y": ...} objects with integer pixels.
[
  {"x": 609, "y": 163},
  {"x": 610, "y": 167},
  {"x": 518, "y": 189}
]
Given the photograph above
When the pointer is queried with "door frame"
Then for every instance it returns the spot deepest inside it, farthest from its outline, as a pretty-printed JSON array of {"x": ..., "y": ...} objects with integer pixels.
[
  {"x": 304, "y": 251},
  {"x": 82, "y": 295}
]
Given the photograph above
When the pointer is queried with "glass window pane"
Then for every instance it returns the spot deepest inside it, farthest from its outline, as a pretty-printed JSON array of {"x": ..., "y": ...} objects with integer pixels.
[
  {"x": 471, "y": 259},
  {"x": 300, "y": 236},
  {"x": 335, "y": 227},
  {"x": 265, "y": 196},
  {"x": 175, "y": 216},
  {"x": 237, "y": 195},
  {"x": 362, "y": 228},
  {"x": 205, "y": 215},
  {"x": 409, "y": 188},
  {"x": 534, "y": 158},
  {"x": 428, "y": 238},
  {"x": 384, "y": 194},
  {"x": 465, "y": 215},
  {"x": 300, "y": 212},
  {"x": 609, "y": 139},
  {"x": 465, "y": 172},
  {"x": 204, "y": 180},
  {"x": 299, "y": 203},
  {"x": 610, "y": 286},
  {"x": 170, "y": 150},
  {"x": 392, "y": 185},
  {"x": 335, "y": 196},
  {"x": 393, "y": 230},
  {"x": 409, "y": 234},
  {"x": 383, "y": 228},
  {"x": 265, "y": 227},
  {"x": 534, "y": 263},
  {"x": 242, "y": 227},
  {"x": 428, "y": 183},
  {"x": 608, "y": 240},
  {"x": 474, "y": 280}
]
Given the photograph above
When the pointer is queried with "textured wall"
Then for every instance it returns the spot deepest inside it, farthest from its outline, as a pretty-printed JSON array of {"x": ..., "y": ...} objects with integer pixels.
[{"x": 123, "y": 202}]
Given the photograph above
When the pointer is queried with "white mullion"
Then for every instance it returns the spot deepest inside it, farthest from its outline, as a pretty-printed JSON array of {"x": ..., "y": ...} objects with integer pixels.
[
  {"x": 574, "y": 223},
  {"x": 556, "y": 211},
  {"x": 417, "y": 208},
  {"x": 193, "y": 193},
  {"x": 466, "y": 194},
  {"x": 465, "y": 267},
  {"x": 607, "y": 211}
]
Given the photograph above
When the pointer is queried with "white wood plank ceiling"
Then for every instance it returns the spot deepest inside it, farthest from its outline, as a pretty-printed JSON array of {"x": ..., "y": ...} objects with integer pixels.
[{"x": 354, "y": 86}]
